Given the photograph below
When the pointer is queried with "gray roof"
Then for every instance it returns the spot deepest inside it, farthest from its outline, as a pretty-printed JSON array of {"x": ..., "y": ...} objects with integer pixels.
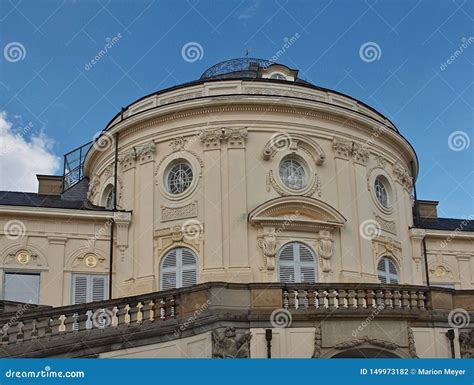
[
  {"x": 14, "y": 198},
  {"x": 449, "y": 224}
]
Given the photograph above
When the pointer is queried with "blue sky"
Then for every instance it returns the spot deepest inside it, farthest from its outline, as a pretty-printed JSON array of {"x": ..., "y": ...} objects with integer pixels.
[{"x": 53, "y": 104}]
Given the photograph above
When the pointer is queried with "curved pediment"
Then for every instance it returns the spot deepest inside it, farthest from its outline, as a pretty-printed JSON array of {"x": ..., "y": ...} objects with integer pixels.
[{"x": 297, "y": 212}]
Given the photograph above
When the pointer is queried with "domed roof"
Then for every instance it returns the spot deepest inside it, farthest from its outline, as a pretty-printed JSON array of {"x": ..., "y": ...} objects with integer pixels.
[{"x": 241, "y": 68}]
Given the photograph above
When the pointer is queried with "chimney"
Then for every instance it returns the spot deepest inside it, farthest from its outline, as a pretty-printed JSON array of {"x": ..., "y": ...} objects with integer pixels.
[
  {"x": 50, "y": 184},
  {"x": 428, "y": 209}
]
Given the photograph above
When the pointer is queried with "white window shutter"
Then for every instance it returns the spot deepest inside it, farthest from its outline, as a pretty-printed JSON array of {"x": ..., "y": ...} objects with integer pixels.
[
  {"x": 178, "y": 269},
  {"x": 296, "y": 263},
  {"x": 80, "y": 289},
  {"x": 188, "y": 267},
  {"x": 387, "y": 271},
  {"x": 99, "y": 287}
]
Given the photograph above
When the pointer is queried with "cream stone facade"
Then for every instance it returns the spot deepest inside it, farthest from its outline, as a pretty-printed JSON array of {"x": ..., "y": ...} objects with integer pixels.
[{"x": 347, "y": 202}]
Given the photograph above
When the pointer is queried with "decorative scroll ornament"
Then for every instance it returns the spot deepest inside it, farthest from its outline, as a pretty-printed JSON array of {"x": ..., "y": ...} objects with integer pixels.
[
  {"x": 268, "y": 244},
  {"x": 227, "y": 345},
  {"x": 342, "y": 148},
  {"x": 285, "y": 141},
  {"x": 178, "y": 144},
  {"x": 325, "y": 250},
  {"x": 403, "y": 177},
  {"x": 23, "y": 257}
]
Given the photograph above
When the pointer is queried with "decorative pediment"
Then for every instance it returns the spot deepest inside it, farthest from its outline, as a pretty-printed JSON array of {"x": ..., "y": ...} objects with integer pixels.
[{"x": 296, "y": 213}]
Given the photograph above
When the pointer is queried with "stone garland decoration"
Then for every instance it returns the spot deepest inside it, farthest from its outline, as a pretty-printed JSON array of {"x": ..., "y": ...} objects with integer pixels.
[
  {"x": 317, "y": 342},
  {"x": 466, "y": 342},
  {"x": 411, "y": 344}
]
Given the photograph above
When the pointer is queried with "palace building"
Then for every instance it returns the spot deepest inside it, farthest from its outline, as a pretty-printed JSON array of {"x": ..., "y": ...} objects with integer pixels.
[{"x": 248, "y": 213}]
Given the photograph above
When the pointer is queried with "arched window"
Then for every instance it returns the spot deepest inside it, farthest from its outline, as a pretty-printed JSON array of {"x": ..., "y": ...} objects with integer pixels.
[
  {"x": 108, "y": 197},
  {"x": 178, "y": 269},
  {"x": 387, "y": 271},
  {"x": 292, "y": 173},
  {"x": 296, "y": 263}
]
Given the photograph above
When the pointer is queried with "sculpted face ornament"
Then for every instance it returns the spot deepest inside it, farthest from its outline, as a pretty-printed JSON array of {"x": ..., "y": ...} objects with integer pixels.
[
  {"x": 90, "y": 260},
  {"x": 23, "y": 258}
]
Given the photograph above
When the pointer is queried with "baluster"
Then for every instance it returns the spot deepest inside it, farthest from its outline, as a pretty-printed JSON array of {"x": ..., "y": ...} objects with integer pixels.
[
  {"x": 421, "y": 300},
  {"x": 370, "y": 298},
  {"x": 342, "y": 298},
  {"x": 331, "y": 299},
  {"x": 379, "y": 299},
  {"x": 351, "y": 302},
  {"x": 69, "y": 323},
  {"x": 28, "y": 327},
  {"x": 5, "y": 334},
  {"x": 413, "y": 299},
  {"x": 20, "y": 335},
  {"x": 172, "y": 308},
  {"x": 405, "y": 299},
  {"x": 397, "y": 303},
  {"x": 122, "y": 312},
  {"x": 305, "y": 299},
  {"x": 34, "y": 332},
  {"x": 285, "y": 299},
  {"x": 133, "y": 312},
  {"x": 162, "y": 309},
  {"x": 147, "y": 313},
  {"x": 316, "y": 300},
  {"x": 82, "y": 321},
  {"x": 13, "y": 332},
  {"x": 322, "y": 299},
  {"x": 296, "y": 300},
  {"x": 388, "y": 298},
  {"x": 360, "y": 299}
]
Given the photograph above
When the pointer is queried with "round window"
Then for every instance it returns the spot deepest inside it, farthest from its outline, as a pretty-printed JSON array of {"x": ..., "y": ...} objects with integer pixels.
[
  {"x": 382, "y": 191},
  {"x": 179, "y": 178},
  {"x": 293, "y": 174}
]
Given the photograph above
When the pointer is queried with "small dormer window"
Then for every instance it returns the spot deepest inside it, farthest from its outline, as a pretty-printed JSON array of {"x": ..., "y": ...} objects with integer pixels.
[{"x": 278, "y": 77}]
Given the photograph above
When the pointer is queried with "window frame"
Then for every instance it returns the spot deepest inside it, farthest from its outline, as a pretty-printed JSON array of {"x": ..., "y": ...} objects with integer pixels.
[
  {"x": 387, "y": 274},
  {"x": 89, "y": 293},
  {"x": 21, "y": 272},
  {"x": 301, "y": 164},
  {"x": 169, "y": 170},
  {"x": 297, "y": 264},
  {"x": 179, "y": 268}
]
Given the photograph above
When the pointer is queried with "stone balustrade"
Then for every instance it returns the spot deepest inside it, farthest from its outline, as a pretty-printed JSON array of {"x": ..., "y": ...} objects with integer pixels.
[
  {"x": 352, "y": 297},
  {"x": 88, "y": 329},
  {"x": 60, "y": 321}
]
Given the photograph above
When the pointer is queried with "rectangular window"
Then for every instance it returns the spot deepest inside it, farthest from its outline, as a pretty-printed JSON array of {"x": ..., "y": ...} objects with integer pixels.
[
  {"x": 22, "y": 287},
  {"x": 89, "y": 288}
]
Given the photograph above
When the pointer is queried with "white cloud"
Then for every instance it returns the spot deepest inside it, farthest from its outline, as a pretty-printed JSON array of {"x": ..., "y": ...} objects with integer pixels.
[{"x": 23, "y": 155}]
